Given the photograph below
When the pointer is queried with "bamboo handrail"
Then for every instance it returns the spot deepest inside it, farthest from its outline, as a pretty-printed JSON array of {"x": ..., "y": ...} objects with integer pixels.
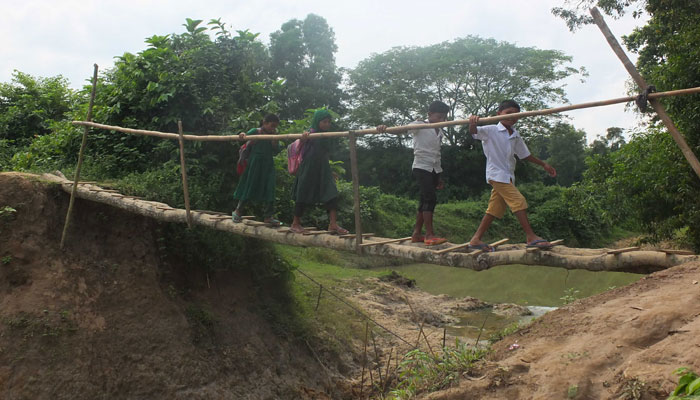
[{"x": 395, "y": 129}]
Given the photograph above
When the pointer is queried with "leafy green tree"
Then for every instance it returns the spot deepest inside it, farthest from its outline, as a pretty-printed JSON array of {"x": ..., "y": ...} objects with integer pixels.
[
  {"x": 472, "y": 75},
  {"x": 30, "y": 105},
  {"x": 567, "y": 153},
  {"x": 575, "y": 12},
  {"x": 303, "y": 55}
]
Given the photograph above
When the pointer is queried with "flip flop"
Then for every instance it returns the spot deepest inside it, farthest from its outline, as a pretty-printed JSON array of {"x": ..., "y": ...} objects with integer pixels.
[
  {"x": 419, "y": 239},
  {"x": 338, "y": 231},
  {"x": 483, "y": 247},
  {"x": 434, "y": 241},
  {"x": 538, "y": 244},
  {"x": 236, "y": 218}
]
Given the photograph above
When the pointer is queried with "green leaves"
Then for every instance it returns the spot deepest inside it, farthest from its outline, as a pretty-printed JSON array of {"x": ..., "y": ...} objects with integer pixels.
[{"x": 688, "y": 385}]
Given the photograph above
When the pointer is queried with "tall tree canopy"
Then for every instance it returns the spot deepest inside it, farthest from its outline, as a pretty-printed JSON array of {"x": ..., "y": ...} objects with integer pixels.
[
  {"x": 303, "y": 54},
  {"x": 472, "y": 75},
  {"x": 649, "y": 176}
]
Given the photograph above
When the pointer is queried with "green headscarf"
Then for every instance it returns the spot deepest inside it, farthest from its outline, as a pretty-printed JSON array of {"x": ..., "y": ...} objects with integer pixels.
[{"x": 319, "y": 116}]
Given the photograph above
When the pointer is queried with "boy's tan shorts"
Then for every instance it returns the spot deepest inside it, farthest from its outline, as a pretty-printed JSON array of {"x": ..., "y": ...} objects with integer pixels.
[{"x": 502, "y": 194}]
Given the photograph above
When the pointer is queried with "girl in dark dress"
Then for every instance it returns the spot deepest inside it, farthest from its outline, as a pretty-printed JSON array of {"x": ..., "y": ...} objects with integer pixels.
[
  {"x": 314, "y": 181},
  {"x": 257, "y": 183}
]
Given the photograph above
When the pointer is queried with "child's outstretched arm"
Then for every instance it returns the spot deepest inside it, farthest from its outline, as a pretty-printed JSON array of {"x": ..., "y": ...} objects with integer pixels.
[{"x": 550, "y": 170}]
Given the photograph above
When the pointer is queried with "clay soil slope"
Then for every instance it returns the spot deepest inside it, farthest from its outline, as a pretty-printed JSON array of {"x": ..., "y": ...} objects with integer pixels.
[
  {"x": 622, "y": 344},
  {"x": 105, "y": 318}
]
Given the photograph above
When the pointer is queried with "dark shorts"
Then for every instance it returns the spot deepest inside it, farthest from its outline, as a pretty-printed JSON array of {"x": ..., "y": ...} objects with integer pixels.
[{"x": 427, "y": 183}]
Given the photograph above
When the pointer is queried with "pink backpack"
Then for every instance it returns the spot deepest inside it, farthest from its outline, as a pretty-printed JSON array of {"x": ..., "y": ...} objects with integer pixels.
[{"x": 294, "y": 156}]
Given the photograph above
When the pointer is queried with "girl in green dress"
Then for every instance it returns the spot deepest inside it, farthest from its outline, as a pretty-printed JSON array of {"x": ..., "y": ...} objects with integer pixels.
[
  {"x": 257, "y": 183},
  {"x": 314, "y": 180}
]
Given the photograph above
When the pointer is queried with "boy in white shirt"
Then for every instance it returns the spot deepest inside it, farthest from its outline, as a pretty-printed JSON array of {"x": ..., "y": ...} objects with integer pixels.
[
  {"x": 426, "y": 171},
  {"x": 501, "y": 143}
]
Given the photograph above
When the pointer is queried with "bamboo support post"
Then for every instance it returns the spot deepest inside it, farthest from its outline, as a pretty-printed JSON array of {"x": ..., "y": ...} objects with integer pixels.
[
  {"x": 551, "y": 244},
  {"x": 384, "y": 242},
  {"x": 356, "y": 192},
  {"x": 623, "y": 250},
  {"x": 393, "y": 130},
  {"x": 81, "y": 155},
  {"x": 183, "y": 169},
  {"x": 639, "y": 80}
]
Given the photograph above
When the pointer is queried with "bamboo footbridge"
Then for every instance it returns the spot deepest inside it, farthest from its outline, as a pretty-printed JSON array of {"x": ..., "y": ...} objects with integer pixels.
[
  {"x": 631, "y": 259},
  {"x": 623, "y": 260}
]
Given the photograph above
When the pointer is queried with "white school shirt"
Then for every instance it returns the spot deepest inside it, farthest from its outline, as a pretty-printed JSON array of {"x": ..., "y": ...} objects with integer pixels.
[
  {"x": 426, "y": 148},
  {"x": 500, "y": 149}
]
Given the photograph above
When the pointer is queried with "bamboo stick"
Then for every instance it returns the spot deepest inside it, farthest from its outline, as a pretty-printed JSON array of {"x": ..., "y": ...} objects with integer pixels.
[
  {"x": 461, "y": 246},
  {"x": 352, "y": 235},
  {"x": 183, "y": 169},
  {"x": 356, "y": 192},
  {"x": 655, "y": 104},
  {"x": 494, "y": 245},
  {"x": 623, "y": 250},
  {"x": 678, "y": 252},
  {"x": 395, "y": 129},
  {"x": 551, "y": 244},
  {"x": 384, "y": 242},
  {"x": 81, "y": 154}
]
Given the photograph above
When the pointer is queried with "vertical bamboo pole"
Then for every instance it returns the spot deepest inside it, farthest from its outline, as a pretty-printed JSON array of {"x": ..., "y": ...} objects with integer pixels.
[
  {"x": 355, "y": 191},
  {"x": 184, "y": 174},
  {"x": 81, "y": 154},
  {"x": 655, "y": 104}
]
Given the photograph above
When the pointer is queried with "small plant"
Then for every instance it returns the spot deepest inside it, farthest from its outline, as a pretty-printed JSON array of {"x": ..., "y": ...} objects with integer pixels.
[
  {"x": 421, "y": 371},
  {"x": 497, "y": 336},
  {"x": 7, "y": 213},
  {"x": 572, "y": 391},
  {"x": 688, "y": 385},
  {"x": 633, "y": 389},
  {"x": 6, "y": 260},
  {"x": 570, "y": 295}
]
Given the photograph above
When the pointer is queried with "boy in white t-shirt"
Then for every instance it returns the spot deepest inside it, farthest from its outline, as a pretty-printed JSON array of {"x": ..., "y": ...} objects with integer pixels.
[
  {"x": 427, "y": 170},
  {"x": 501, "y": 143}
]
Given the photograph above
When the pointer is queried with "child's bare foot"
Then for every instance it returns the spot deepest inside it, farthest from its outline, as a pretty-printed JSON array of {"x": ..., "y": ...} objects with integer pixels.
[
  {"x": 296, "y": 228},
  {"x": 417, "y": 238},
  {"x": 337, "y": 230}
]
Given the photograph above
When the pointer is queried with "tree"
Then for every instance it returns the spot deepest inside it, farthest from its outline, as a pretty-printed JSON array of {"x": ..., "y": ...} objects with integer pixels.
[
  {"x": 303, "y": 54},
  {"x": 575, "y": 12},
  {"x": 566, "y": 150},
  {"x": 29, "y": 106},
  {"x": 472, "y": 75}
]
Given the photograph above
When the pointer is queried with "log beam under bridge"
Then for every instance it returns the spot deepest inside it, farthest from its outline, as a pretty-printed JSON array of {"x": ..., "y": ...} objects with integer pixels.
[{"x": 559, "y": 256}]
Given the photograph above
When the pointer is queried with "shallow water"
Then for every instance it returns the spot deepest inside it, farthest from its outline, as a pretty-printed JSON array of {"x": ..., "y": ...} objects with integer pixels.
[
  {"x": 520, "y": 284},
  {"x": 539, "y": 288}
]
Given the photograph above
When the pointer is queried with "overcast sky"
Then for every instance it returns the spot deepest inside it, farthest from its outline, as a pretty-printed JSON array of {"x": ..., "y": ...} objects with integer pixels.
[{"x": 52, "y": 37}]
